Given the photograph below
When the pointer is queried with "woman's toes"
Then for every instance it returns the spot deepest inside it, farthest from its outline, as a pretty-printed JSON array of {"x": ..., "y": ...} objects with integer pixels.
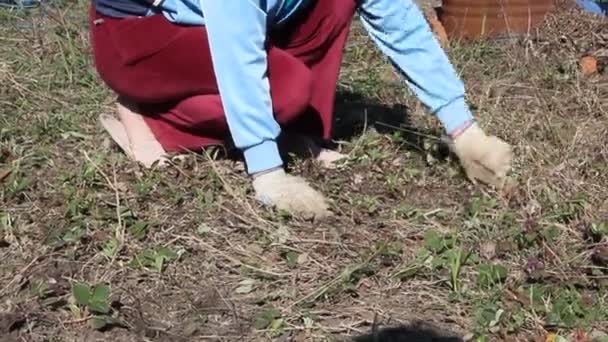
[{"x": 329, "y": 158}]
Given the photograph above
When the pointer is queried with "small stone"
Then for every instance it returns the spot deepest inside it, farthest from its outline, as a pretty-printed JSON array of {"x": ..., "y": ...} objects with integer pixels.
[
  {"x": 302, "y": 258},
  {"x": 358, "y": 179},
  {"x": 487, "y": 249},
  {"x": 600, "y": 255},
  {"x": 106, "y": 144},
  {"x": 100, "y": 236}
]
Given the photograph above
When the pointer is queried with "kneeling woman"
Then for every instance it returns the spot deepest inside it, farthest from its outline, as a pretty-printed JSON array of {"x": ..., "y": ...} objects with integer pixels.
[{"x": 190, "y": 73}]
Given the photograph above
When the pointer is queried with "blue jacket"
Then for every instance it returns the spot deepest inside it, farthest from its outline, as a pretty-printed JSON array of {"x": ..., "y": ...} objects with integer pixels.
[{"x": 237, "y": 30}]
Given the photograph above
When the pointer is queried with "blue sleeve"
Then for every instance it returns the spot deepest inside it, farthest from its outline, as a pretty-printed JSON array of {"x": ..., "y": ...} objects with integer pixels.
[
  {"x": 237, "y": 36},
  {"x": 401, "y": 32}
]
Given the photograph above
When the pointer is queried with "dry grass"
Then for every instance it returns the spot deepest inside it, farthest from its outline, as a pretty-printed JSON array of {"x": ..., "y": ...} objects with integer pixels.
[{"x": 189, "y": 256}]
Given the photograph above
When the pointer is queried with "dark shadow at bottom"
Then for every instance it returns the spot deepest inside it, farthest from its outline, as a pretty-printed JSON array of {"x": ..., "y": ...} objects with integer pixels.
[{"x": 417, "y": 332}]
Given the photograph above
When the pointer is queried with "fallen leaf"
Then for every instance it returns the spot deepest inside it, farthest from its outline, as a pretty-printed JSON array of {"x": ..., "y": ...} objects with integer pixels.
[
  {"x": 390, "y": 76},
  {"x": 4, "y": 173},
  {"x": 245, "y": 286},
  {"x": 100, "y": 236},
  {"x": 255, "y": 249},
  {"x": 203, "y": 229},
  {"x": 505, "y": 247},
  {"x": 552, "y": 337},
  {"x": 588, "y": 65},
  {"x": 100, "y": 299},
  {"x": 282, "y": 234},
  {"x": 292, "y": 259},
  {"x": 308, "y": 322}
]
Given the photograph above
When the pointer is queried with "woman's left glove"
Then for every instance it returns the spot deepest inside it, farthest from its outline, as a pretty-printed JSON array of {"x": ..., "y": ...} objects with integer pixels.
[{"x": 484, "y": 158}]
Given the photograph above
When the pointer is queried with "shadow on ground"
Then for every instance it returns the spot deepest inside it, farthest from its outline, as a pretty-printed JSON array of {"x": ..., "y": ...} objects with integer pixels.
[
  {"x": 418, "y": 332},
  {"x": 357, "y": 114}
]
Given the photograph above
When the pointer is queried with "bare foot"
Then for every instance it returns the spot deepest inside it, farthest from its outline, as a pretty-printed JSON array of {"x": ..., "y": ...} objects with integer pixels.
[
  {"x": 133, "y": 135},
  {"x": 146, "y": 149}
]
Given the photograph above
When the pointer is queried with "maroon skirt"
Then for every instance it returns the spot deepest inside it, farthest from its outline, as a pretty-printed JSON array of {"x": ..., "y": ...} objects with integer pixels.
[{"x": 167, "y": 69}]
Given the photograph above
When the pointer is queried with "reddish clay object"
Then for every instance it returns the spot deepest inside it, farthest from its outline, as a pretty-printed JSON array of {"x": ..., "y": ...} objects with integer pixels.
[
  {"x": 473, "y": 19},
  {"x": 588, "y": 65},
  {"x": 438, "y": 30}
]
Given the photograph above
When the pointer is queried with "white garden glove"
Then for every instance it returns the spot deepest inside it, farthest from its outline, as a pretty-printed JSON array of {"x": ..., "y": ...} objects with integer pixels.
[
  {"x": 484, "y": 158},
  {"x": 289, "y": 193}
]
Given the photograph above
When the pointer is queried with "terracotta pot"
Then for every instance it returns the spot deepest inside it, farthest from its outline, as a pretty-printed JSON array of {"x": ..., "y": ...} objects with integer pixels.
[{"x": 472, "y": 19}]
